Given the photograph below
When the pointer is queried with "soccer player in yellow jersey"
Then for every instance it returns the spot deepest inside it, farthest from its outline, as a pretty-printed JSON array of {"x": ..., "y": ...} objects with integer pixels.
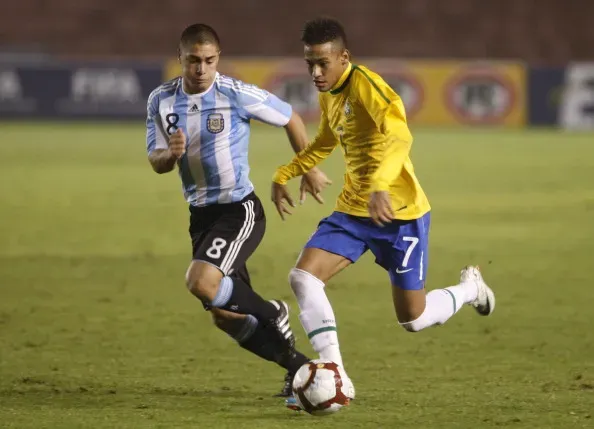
[{"x": 382, "y": 206}]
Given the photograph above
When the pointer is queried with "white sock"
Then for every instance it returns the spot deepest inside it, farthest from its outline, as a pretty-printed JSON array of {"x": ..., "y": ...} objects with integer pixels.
[
  {"x": 317, "y": 316},
  {"x": 441, "y": 304}
]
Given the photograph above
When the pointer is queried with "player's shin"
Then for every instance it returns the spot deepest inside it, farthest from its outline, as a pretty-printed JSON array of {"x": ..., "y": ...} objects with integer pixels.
[
  {"x": 317, "y": 316},
  {"x": 263, "y": 342},
  {"x": 236, "y": 296}
]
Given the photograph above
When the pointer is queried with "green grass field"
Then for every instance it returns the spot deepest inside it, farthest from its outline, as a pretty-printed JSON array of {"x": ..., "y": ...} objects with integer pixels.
[{"x": 97, "y": 329}]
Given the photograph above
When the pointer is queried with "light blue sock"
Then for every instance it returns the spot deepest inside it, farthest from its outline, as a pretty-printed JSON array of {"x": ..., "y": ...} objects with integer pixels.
[{"x": 224, "y": 293}]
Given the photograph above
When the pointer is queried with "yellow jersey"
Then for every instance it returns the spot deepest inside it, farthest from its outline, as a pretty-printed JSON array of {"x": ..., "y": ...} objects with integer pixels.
[{"x": 366, "y": 118}]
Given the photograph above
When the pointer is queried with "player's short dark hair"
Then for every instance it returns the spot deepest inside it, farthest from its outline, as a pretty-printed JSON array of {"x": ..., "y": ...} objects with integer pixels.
[
  {"x": 199, "y": 33},
  {"x": 323, "y": 30}
]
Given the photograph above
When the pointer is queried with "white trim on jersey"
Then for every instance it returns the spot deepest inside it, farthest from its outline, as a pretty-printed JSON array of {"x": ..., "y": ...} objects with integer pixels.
[
  {"x": 242, "y": 236},
  {"x": 243, "y": 91},
  {"x": 257, "y": 93},
  {"x": 253, "y": 92}
]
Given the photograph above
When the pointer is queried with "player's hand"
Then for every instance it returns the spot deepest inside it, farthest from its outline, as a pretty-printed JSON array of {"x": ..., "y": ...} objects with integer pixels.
[
  {"x": 177, "y": 143},
  {"x": 380, "y": 208},
  {"x": 280, "y": 195},
  {"x": 313, "y": 183}
]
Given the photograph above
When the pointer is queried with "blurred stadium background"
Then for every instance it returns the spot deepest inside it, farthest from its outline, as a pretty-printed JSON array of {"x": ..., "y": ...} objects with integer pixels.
[
  {"x": 514, "y": 63},
  {"x": 96, "y": 329}
]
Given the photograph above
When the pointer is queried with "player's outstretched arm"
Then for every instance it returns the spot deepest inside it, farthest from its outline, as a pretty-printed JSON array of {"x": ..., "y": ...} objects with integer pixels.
[
  {"x": 318, "y": 150},
  {"x": 297, "y": 133},
  {"x": 280, "y": 196},
  {"x": 304, "y": 161},
  {"x": 315, "y": 180},
  {"x": 268, "y": 108}
]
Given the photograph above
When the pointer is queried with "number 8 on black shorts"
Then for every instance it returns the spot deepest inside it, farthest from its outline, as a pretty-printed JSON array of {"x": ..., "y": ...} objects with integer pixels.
[{"x": 225, "y": 235}]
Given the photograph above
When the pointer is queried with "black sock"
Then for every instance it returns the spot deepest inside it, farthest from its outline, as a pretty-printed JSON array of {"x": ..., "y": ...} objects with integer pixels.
[
  {"x": 265, "y": 343},
  {"x": 236, "y": 296},
  {"x": 295, "y": 362}
]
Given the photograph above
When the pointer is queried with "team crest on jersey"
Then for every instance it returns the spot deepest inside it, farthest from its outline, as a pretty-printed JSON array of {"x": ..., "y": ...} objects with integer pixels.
[
  {"x": 215, "y": 123},
  {"x": 348, "y": 110}
]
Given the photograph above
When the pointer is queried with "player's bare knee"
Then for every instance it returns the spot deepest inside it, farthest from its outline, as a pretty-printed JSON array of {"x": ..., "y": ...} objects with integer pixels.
[
  {"x": 320, "y": 264},
  {"x": 192, "y": 282},
  {"x": 409, "y": 306},
  {"x": 409, "y": 315},
  {"x": 202, "y": 286},
  {"x": 203, "y": 289}
]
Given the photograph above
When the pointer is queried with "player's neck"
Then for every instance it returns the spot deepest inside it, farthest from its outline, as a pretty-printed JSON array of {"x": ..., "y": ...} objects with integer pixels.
[
  {"x": 197, "y": 91},
  {"x": 343, "y": 76}
]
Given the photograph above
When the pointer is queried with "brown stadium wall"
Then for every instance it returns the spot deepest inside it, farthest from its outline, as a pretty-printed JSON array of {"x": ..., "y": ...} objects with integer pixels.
[{"x": 536, "y": 31}]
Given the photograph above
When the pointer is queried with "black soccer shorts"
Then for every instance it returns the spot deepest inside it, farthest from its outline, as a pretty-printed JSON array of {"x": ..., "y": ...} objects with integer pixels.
[{"x": 226, "y": 235}]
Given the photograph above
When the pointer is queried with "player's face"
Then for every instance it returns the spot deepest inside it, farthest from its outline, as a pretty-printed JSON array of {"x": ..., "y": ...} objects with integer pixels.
[
  {"x": 199, "y": 66},
  {"x": 326, "y": 63}
]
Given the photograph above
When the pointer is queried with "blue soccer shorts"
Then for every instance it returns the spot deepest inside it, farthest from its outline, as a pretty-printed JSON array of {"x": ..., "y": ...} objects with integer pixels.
[{"x": 400, "y": 247}]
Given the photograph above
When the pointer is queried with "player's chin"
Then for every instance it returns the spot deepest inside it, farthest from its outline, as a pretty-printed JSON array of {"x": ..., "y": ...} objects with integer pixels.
[
  {"x": 322, "y": 87},
  {"x": 196, "y": 85}
]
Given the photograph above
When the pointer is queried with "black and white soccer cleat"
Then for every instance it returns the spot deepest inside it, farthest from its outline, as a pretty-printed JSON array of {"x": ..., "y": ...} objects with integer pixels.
[{"x": 282, "y": 326}]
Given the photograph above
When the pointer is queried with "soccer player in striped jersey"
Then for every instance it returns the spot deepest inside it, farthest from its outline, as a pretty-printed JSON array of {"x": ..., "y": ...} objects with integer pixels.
[
  {"x": 382, "y": 206},
  {"x": 200, "y": 122}
]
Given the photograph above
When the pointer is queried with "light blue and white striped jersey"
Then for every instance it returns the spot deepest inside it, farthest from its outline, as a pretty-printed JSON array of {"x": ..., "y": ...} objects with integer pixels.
[{"x": 214, "y": 169}]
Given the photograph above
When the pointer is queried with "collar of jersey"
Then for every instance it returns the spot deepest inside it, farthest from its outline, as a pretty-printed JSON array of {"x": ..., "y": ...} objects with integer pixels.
[
  {"x": 344, "y": 80},
  {"x": 200, "y": 94}
]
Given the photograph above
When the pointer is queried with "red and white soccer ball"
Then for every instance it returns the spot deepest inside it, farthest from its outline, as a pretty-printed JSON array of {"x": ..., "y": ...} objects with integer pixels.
[{"x": 321, "y": 387}]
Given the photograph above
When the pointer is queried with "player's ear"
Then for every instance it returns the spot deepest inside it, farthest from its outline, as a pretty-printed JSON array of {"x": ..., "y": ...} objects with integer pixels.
[
  {"x": 179, "y": 54},
  {"x": 345, "y": 57}
]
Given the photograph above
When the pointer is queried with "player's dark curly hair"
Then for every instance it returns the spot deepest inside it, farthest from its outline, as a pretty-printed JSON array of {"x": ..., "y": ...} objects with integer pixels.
[
  {"x": 199, "y": 33},
  {"x": 323, "y": 30}
]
